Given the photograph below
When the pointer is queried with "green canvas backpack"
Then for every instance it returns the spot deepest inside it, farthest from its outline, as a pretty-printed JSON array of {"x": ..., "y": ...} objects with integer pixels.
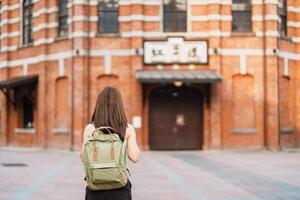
[{"x": 104, "y": 160}]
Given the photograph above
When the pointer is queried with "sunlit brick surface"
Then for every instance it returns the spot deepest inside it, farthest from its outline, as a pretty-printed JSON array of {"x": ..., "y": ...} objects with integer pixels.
[{"x": 72, "y": 69}]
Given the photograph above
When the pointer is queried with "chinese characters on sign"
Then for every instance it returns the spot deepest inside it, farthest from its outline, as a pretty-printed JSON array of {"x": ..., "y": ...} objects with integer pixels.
[{"x": 175, "y": 50}]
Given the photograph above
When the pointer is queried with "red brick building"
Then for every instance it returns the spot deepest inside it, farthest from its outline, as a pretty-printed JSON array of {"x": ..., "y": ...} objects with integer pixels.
[{"x": 194, "y": 74}]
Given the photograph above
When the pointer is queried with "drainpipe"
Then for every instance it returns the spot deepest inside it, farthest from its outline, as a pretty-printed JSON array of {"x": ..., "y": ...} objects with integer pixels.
[{"x": 265, "y": 134}]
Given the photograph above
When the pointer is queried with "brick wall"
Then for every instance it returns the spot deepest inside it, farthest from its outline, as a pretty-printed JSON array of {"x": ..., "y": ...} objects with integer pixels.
[{"x": 265, "y": 68}]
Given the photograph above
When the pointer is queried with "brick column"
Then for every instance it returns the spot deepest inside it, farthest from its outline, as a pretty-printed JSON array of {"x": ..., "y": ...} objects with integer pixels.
[{"x": 271, "y": 82}]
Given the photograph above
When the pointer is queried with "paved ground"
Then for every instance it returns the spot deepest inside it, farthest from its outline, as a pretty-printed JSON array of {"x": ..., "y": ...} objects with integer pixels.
[{"x": 226, "y": 175}]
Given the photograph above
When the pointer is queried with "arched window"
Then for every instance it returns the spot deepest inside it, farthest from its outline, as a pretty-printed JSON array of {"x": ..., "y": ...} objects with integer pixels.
[
  {"x": 175, "y": 16},
  {"x": 27, "y": 22},
  {"x": 63, "y": 17},
  {"x": 108, "y": 12}
]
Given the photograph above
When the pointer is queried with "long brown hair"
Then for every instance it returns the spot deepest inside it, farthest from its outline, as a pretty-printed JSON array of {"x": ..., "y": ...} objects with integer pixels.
[{"x": 109, "y": 111}]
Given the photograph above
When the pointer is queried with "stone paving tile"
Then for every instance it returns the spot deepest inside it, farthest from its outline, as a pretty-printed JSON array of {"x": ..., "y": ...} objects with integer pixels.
[
  {"x": 217, "y": 175},
  {"x": 264, "y": 187}
]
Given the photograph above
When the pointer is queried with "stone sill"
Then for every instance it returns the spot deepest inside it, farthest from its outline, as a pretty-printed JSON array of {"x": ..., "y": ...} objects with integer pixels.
[
  {"x": 61, "y": 38},
  {"x": 60, "y": 131},
  {"x": 243, "y": 131},
  {"x": 286, "y": 38},
  {"x": 287, "y": 130},
  {"x": 24, "y": 130},
  {"x": 242, "y": 34},
  {"x": 108, "y": 34}
]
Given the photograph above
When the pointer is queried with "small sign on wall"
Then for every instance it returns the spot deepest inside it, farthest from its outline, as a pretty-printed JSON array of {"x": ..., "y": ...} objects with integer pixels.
[
  {"x": 176, "y": 50},
  {"x": 137, "y": 121}
]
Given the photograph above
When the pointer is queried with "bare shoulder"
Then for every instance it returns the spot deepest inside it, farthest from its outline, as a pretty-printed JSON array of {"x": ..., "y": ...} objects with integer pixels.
[
  {"x": 129, "y": 130},
  {"x": 89, "y": 128}
]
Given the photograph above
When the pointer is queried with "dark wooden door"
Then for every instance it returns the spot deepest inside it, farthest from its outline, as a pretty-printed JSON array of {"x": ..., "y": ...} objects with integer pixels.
[{"x": 176, "y": 118}]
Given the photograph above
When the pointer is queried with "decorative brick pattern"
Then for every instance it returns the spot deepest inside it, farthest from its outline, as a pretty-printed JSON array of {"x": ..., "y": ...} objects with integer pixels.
[{"x": 88, "y": 61}]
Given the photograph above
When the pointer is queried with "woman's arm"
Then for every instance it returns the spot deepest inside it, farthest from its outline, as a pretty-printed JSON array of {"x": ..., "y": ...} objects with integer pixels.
[
  {"x": 86, "y": 134},
  {"x": 133, "y": 149}
]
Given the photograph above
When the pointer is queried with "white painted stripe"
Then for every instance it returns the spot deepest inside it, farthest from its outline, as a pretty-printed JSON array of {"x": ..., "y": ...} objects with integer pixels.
[
  {"x": 267, "y": 17},
  {"x": 130, "y": 52},
  {"x": 271, "y": 2},
  {"x": 243, "y": 64},
  {"x": 259, "y": 52},
  {"x": 268, "y": 33},
  {"x": 79, "y": 2},
  {"x": 293, "y": 9},
  {"x": 9, "y": 35},
  {"x": 139, "y": 18},
  {"x": 45, "y": 26},
  {"x": 211, "y": 17},
  {"x": 289, "y": 55},
  {"x": 25, "y": 69},
  {"x": 207, "y": 2},
  {"x": 8, "y": 48},
  {"x": 257, "y": 18},
  {"x": 61, "y": 67},
  {"x": 77, "y": 34},
  {"x": 43, "y": 41},
  {"x": 65, "y": 55},
  {"x": 284, "y": 54},
  {"x": 77, "y": 18},
  {"x": 107, "y": 64},
  {"x": 142, "y": 2},
  {"x": 257, "y": 2},
  {"x": 35, "y": 59},
  {"x": 296, "y": 39},
  {"x": 114, "y": 52},
  {"x": 45, "y": 11},
  {"x": 94, "y": 2},
  {"x": 248, "y": 52},
  {"x": 215, "y": 33},
  {"x": 272, "y": 17},
  {"x": 10, "y": 21},
  {"x": 9, "y": 7},
  {"x": 286, "y": 67},
  {"x": 293, "y": 24},
  {"x": 260, "y": 2}
]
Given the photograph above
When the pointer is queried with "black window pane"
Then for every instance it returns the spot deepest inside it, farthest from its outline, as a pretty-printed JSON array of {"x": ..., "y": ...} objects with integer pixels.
[
  {"x": 241, "y": 1},
  {"x": 63, "y": 17},
  {"x": 181, "y": 21},
  {"x": 63, "y": 7},
  {"x": 108, "y": 16},
  {"x": 27, "y": 2},
  {"x": 168, "y": 22},
  {"x": 283, "y": 25},
  {"x": 28, "y": 114},
  {"x": 63, "y": 25},
  {"x": 282, "y": 17},
  {"x": 27, "y": 22},
  {"x": 108, "y": 4},
  {"x": 108, "y": 22},
  {"x": 175, "y": 19},
  {"x": 180, "y": 5},
  {"x": 241, "y": 21},
  {"x": 282, "y": 3}
]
